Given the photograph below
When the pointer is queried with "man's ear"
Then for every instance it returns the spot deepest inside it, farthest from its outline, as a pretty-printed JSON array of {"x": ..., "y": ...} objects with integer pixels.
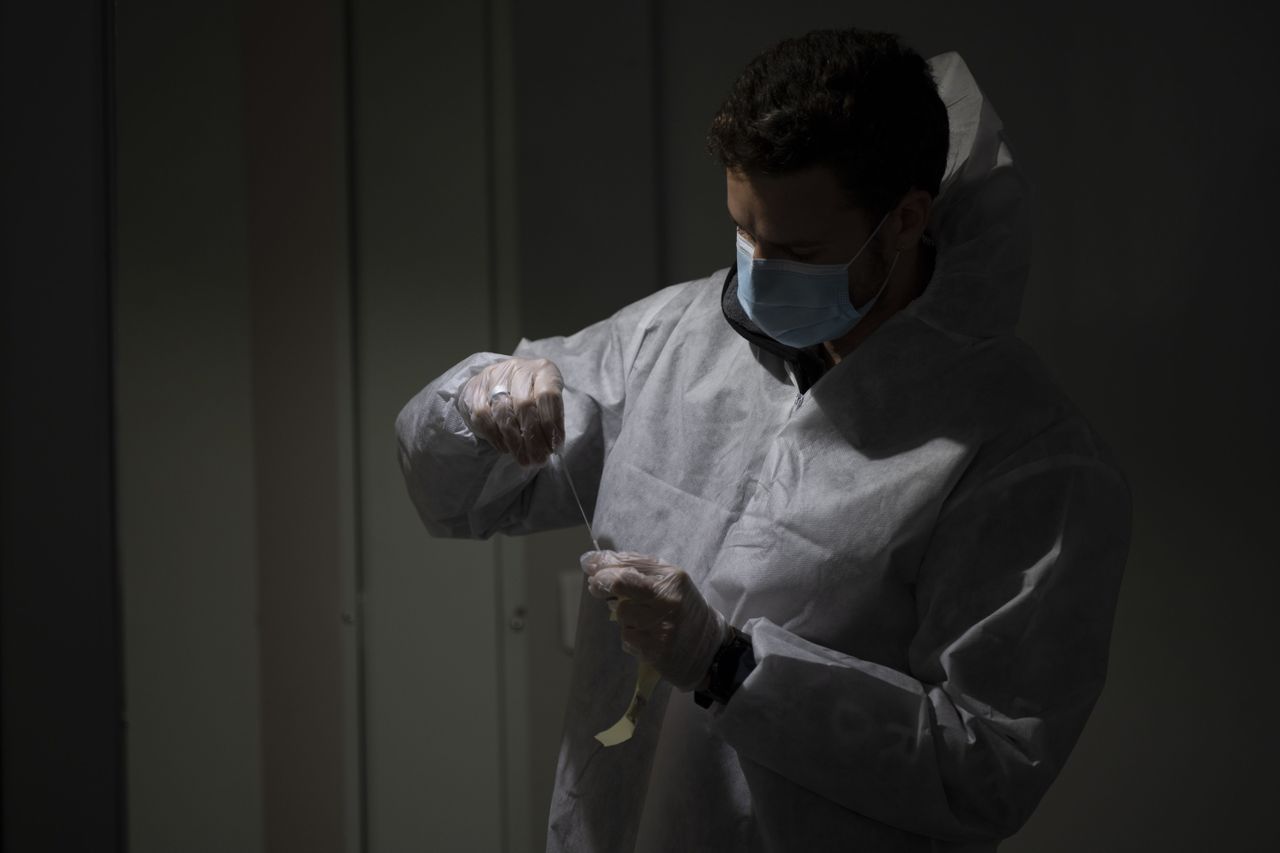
[{"x": 912, "y": 214}]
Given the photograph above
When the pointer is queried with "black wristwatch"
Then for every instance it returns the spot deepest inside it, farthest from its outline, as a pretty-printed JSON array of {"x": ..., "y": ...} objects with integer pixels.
[{"x": 731, "y": 666}]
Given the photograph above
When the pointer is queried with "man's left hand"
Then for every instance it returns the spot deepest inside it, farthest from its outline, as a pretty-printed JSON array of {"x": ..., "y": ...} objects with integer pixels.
[{"x": 664, "y": 617}]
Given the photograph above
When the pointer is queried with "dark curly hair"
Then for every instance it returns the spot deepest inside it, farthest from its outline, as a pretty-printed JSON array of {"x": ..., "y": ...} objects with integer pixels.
[{"x": 859, "y": 102}]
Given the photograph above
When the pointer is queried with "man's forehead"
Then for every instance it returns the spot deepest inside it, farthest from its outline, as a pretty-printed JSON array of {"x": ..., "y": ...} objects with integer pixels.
[{"x": 804, "y": 204}]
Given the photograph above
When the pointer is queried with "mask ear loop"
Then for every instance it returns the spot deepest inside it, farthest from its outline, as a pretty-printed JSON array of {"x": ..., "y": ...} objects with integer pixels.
[
  {"x": 867, "y": 307},
  {"x": 870, "y": 237}
]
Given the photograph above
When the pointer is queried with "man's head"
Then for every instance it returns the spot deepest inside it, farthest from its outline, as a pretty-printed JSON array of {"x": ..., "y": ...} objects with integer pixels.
[
  {"x": 824, "y": 135},
  {"x": 859, "y": 103}
]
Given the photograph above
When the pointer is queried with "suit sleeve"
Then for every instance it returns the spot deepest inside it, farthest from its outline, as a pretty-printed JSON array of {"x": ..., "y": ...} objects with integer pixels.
[
  {"x": 463, "y": 487},
  {"x": 1016, "y": 596}
]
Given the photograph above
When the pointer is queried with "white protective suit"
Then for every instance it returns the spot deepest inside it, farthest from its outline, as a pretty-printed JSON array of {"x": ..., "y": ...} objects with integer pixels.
[{"x": 925, "y": 544}]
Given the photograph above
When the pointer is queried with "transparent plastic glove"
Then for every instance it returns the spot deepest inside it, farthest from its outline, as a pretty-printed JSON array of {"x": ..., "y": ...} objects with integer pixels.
[
  {"x": 516, "y": 405},
  {"x": 664, "y": 618}
]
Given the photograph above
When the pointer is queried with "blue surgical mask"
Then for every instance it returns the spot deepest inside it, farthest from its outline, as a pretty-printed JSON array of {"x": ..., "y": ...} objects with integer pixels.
[{"x": 801, "y": 304}]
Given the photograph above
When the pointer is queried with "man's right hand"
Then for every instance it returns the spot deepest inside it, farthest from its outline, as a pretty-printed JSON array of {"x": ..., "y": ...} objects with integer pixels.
[{"x": 516, "y": 405}]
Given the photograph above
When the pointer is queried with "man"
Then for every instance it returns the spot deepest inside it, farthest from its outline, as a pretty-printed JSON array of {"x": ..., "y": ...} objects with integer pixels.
[{"x": 853, "y": 514}]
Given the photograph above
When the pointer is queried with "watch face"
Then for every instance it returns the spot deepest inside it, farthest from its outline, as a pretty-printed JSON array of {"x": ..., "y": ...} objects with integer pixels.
[{"x": 731, "y": 666}]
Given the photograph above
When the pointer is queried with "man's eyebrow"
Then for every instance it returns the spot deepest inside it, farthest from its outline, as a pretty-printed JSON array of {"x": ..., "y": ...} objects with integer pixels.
[{"x": 793, "y": 245}]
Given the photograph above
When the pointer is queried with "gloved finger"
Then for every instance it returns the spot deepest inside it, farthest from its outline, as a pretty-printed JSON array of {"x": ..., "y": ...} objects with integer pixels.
[
  {"x": 548, "y": 389},
  {"x": 600, "y": 584},
  {"x": 633, "y": 559},
  {"x": 504, "y": 420},
  {"x": 474, "y": 412},
  {"x": 671, "y": 583},
  {"x": 482, "y": 425},
  {"x": 646, "y": 645},
  {"x": 547, "y": 378},
  {"x": 538, "y": 434},
  {"x": 503, "y": 375},
  {"x": 646, "y": 565},
  {"x": 641, "y": 615},
  {"x": 631, "y": 650},
  {"x": 466, "y": 401},
  {"x": 594, "y": 561},
  {"x": 553, "y": 415},
  {"x": 536, "y": 445},
  {"x": 620, "y": 581},
  {"x": 613, "y": 608}
]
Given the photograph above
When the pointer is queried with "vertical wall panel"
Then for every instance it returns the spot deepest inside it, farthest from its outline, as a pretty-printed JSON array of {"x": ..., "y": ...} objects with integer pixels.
[
  {"x": 185, "y": 433},
  {"x": 422, "y": 242},
  {"x": 585, "y": 162},
  {"x": 294, "y": 132}
]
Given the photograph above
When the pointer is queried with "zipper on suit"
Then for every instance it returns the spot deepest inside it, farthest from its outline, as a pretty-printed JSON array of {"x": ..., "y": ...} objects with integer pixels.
[{"x": 791, "y": 374}]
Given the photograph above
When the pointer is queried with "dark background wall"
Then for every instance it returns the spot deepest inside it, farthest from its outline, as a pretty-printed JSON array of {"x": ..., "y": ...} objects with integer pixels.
[
  {"x": 62, "y": 727},
  {"x": 234, "y": 427}
]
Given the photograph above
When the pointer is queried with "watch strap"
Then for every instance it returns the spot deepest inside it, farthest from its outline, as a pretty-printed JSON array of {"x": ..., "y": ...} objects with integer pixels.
[{"x": 730, "y": 667}]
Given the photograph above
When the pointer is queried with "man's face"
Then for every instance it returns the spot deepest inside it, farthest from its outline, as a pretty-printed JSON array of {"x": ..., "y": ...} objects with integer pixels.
[{"x": 806, "y": 216}]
